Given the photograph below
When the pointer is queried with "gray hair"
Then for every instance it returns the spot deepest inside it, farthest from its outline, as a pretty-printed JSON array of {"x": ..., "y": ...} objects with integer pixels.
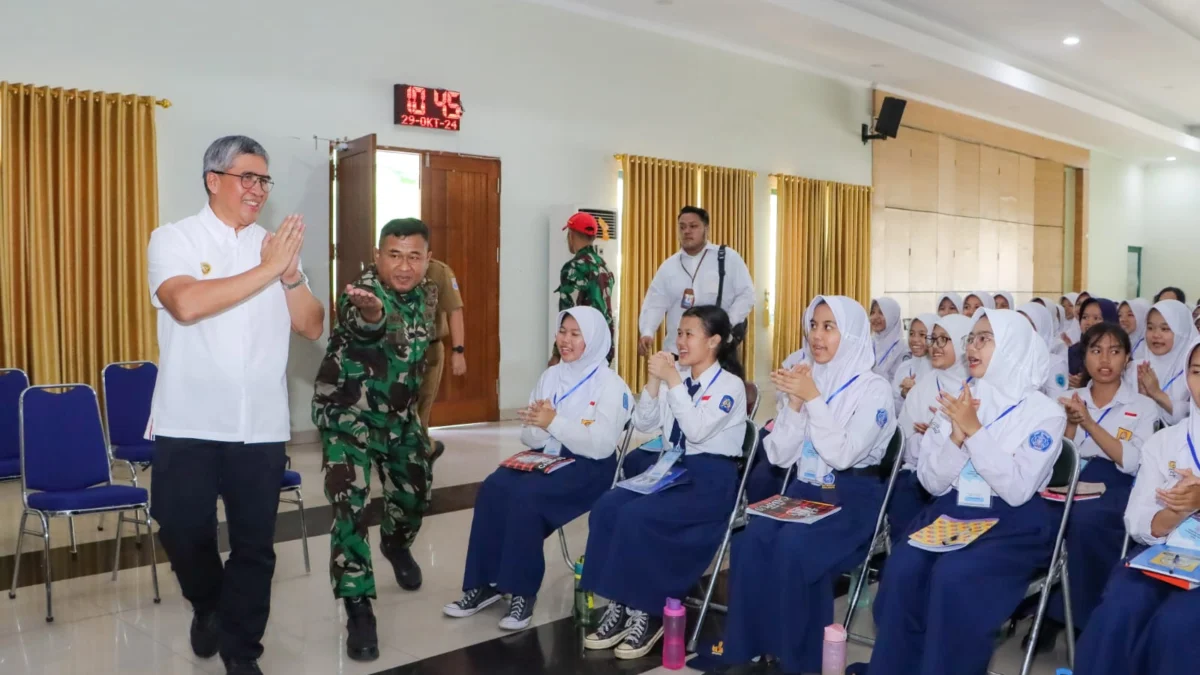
[{"x": 224, "y": 152}]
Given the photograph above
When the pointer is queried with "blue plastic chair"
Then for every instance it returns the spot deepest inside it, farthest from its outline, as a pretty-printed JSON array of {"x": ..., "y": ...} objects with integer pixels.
[
  {"x": 128, "y": 388},
  {"x": 13, "y": 381},
  {"x": 65, "y": 472},
  {"x": 292, "y": 484}
]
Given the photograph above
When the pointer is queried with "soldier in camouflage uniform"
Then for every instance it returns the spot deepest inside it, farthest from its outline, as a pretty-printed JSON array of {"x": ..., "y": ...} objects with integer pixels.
[
  {"x": 585, "y": 279},
  {"x": 365, "y": 406}
]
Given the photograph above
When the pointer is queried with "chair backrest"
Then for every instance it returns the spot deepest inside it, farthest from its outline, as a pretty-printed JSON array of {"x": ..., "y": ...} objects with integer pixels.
[
  {"x": 749, "y": 441},
  {"x": 62, "y": 441},
  {"x": 891, "y": 455},
  {"x": 751, "y": 399},
  {"x": 12, "y": 382},
  {"x": 1064, "y": 466},
  {"x": 128, "y": 390}
]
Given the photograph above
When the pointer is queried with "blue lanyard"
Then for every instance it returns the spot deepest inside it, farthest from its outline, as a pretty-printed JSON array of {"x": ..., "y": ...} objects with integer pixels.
[
  {"x": 1135, "y": 347},
  {"x": 1171, "y": 381},
  {"x": 960, "y": 387},
  {"x": 1010, "y": 409},
  {"x": 1193, "y": 449},
  {"x": 560, "y": 399},
  {"x": 841, "y": 389},
  {"x": 1107, "y": 410},
  {"x": 696, "y": 403},
  {"x": 885, "y": 354}
]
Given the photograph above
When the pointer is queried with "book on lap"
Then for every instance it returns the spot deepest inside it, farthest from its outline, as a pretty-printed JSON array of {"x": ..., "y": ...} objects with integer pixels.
[
  {"x": 789, "y": 510},
  {"x": 533, "y": 461},
  {"x": 1176, "y": 562},
  {"x": 950, "y": 534},
  {"x": 1083, "y": 492},
  {"x": 647, "y": 483}
]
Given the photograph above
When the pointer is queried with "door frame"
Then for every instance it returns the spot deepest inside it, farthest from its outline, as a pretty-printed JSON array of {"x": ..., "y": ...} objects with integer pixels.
[{"x": 1138, "y": 251}]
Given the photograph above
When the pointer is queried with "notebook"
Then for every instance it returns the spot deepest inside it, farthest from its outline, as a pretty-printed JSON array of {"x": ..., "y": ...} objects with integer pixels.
[
  {"x": 789, "y": 510},
  {"x": 1176, "y": 562},
  {"x": 950, "y": 534},
  {"x": 1083, "y": 492},
  {"x": 532, "y": 460}
]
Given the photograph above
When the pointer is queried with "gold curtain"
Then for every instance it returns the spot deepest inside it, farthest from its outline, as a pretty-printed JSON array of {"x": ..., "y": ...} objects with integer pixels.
[
  {"x": 78, "y": 199},
  {"x": 654, "y": 191},
  {"x": 822, "y": 248},
  {"x": 728, "y": 196}
]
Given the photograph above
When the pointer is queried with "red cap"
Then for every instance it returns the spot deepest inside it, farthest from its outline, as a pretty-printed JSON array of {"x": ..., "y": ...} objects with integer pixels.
[{"x": 582, "y": 223}]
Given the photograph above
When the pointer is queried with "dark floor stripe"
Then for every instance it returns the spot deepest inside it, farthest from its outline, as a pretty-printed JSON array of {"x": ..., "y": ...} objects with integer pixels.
[{"x": 96, "y": 557}]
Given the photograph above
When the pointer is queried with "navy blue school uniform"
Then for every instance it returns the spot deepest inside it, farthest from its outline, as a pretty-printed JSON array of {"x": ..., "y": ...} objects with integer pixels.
[
  {"x": 765, "y": 479},
  {"x": 1144, "y": 625},
  {"x": 643, "y": 549},
  {"x": 516, "y": 510}
]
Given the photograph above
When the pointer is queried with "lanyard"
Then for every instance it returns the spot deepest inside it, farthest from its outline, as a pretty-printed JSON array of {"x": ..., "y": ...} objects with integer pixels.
[
  {"x": 692, "y": 275},
  {"x": 1139, "y": 344},
  {"x": 1107, "y": 410},
  {"x": 889, "y": 351},
  {"x": 1193, "y": 449},
  {"x": 696, "y": 403},
  {"x": 1010, "y": 409},
  {"x": 560, "y": 399},
  {"x": 1171, "y": 381},
  {"x": 960, "y": 387},
  {"x": 841, "y": 389}
]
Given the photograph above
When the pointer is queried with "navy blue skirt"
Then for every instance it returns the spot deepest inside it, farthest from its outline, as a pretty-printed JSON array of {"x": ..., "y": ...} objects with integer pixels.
[
  {"x": 1095, "y": 535},
  {"x": 782, "y": 574},
  {"x": 1142, "y": 626},
  {"x": 514, "y": 513},
  {"x": 765, "y": 479},
  {"x": 937, "y": 613},
  {"x": 643, "y": 549},
  {"x": 909, "y": 497}
]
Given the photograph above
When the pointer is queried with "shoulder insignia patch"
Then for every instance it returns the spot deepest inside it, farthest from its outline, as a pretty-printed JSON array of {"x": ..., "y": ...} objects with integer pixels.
[
  {"x": 726, "y": 404},
  {"x": 1060, "y": 380},
  {"x": 881, "y": 418},
  {"x": 1040, "y": 441}
]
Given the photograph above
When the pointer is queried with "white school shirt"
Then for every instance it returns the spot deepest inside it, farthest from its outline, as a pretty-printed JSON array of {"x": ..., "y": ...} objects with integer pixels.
[
  {"x": 859, "y": 442},
  {"x": 223, "y": 378},
  {"x": 1163, "y": 455},
  {"x": 888, "y": 361},
  {"x": 588, "y": 428},
  {"x": 1058, "y": 377},
  {"x": 1129, "y": 417},
  {"x": 916, "y": 410},
  {"x": 673, "y": 277},
  {"x": 713, "y": 420},
  {"x": 912, "y": 367},
  {"x": 1181, "y": 399},
  {"x": 1013, "y": 474}
]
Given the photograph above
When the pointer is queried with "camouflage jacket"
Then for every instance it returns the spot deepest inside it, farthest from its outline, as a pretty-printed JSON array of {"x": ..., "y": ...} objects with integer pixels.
[
  {"x": 373, "y": 372},
  {"x": 586, "y": 281}
]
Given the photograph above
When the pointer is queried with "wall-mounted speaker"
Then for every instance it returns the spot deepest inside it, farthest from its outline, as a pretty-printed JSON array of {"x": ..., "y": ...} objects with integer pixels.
[{"x": 887, "y": 125}]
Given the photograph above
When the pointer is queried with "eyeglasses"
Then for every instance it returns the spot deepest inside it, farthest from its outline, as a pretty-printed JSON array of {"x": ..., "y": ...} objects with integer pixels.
[
  {"x": 938, "y": 341},
  {"x": 249, "y": 179},
  {"x": 979, "y": 340}
]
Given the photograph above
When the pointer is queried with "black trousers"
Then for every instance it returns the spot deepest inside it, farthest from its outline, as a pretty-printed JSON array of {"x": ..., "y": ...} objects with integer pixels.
[{"x": 187, "y": 477}]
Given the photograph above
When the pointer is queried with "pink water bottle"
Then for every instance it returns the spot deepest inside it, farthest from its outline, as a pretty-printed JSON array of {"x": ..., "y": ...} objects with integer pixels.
[
  {"x": 674, "y": 627},
  {"x": 833, "y": 651}
]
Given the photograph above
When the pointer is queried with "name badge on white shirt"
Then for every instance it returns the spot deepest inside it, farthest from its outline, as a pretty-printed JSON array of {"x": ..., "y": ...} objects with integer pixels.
[
  {"x": 1186, "y": 535},
  {"x": 813, "y": 469},
  {"x": 665, "y": 461},
  {"x": 973, "y": 490}
]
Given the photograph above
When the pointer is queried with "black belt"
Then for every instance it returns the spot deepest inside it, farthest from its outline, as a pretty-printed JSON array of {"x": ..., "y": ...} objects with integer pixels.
[{"x": 867, "y": 471}]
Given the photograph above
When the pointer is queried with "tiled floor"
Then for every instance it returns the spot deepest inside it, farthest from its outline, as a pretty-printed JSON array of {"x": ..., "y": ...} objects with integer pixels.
[{"x": 103, "y": 626}]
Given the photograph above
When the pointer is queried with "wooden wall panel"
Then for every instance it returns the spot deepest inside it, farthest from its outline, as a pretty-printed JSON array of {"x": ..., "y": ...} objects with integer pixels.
[
  {"x": 947, "y": 234},
  {"x": 1049, "y": 193},
  {"x": 923, "y": 169},
  {"x": 1048, "y": 260},
  {"x": 1025, "y": 189},
  {"x": 958, "y": 177},
  {"x": 1007, "y": 255},
  {"x": 897, "y": 261},
  {"x": 1010, "y": 181},
  {"x": 1025, "y": 259},
  {"x": 967, "y": 255},
  {"x": 989, "y": 251},
  {"x": 923, "y": 248}
]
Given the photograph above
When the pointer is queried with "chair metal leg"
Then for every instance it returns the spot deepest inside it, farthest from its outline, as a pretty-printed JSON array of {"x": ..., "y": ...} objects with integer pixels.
[
  {"x": 117, "y": 545},
  {"x": 71, "y": 527},
  {"x": 137, "y": 527},
  {"x": 712, "y": 584},
  {"x": 1043, "y": 602},
  {"x": 154, "y": 557},
  {"x": 1069, "y": 615},
  {"x": 303, "y": 531},
  {"x": 100, "y": 524},
  {"x": 566, "y": 554},
  {"x": 46, "y": 565},
  {"x": 12, "y": 590}
]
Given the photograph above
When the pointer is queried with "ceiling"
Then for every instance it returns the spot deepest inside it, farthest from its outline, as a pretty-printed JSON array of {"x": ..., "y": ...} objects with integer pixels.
[{"x": 1128, "y": 88}]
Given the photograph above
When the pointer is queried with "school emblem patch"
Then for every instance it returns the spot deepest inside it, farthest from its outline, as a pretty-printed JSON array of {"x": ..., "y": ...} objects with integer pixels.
[
  {"x": 625, "y": 401},
  {"x": 881, "y": 417},
  {"x": 587, "y": 423},
  {"x": 719, "y": 649},
  {"x": 205, "y": 268},
  {"x": 1124, "y": 434},
  {"x": 726, "y": 403},
  {"x": 1060, "y": 380},
  {"x": 828, "y": 480},
  {"x": 1040, "y": 441},
  {"x": 1171, "y": 469},
  {"x": 454, "y": 283}
]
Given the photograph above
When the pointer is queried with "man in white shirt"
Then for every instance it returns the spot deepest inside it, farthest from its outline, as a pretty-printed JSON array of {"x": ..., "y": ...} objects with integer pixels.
[
  {"x": 693, "y": 277},
  {"x": 228, "y": 295}
]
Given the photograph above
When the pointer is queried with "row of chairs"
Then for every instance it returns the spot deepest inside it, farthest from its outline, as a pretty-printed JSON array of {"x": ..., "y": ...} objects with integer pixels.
[{"x": 54, "y": 439}]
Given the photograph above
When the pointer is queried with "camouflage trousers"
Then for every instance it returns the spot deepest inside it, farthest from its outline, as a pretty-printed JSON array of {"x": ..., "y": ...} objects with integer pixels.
[{"x": 400, "y": 454}]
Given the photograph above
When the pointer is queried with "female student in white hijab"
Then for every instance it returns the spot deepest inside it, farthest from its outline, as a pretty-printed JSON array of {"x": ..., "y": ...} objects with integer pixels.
[
  {"x": 1071, "y": 327},
  {"x": 1132, "y": 316},
  {"x": 949, "y": 303},
  {"x": 910, "y": 369},
  {"x": 645, "y": 548},
  {"x": 1004, "y": 300},
  {"x": 1109, "y": 423},
  {"x": 834, "y": 431},
  {"x": 577, "y": 410},
  {"x": 886, "y": 334},
  {"x": 947, "y": 355},
  {"x": 1161, "y": 376},
  {"x": 765, "y": 478},
  {"x": 1144, "y": 625},
  {"x": 1057, "y": 378},
  {"x": 977, "y": 300},
  {"x": 988, "y": 453}
]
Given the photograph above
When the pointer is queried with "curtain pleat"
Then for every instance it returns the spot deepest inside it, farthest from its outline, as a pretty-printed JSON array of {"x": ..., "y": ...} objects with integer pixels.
[
  {"x": 78, "y": 200},
  {"x": 728, "y": 195}
]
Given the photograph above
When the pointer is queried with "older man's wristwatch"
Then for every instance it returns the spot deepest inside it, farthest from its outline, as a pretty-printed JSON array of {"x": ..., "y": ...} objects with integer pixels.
[
  {"x": 287, "y": 287},
  {"x": 458, "y": 349}
]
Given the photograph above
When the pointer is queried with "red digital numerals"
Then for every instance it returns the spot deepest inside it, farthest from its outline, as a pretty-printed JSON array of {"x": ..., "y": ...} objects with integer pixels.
[
  {"x": 428, "y": 122},
  {"x": 444, "y": 113}
]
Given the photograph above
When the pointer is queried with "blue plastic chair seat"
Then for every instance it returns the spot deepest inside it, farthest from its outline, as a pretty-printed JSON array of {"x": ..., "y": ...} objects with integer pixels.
[
  {"x": 103, "y": 496},
  {"x": 10, "y": 468},
  {"x": 141, "y": 453},
  {"x": 291, "y": 479}
]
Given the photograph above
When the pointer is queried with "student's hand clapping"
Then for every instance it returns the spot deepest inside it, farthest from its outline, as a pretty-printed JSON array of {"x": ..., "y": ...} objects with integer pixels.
[
  {"x": 1184, "y": 497},
  {"x": 1075, "y": 381},
  {"x": 662, "y": 367},
  {"x": 961, "y": 410},
  {"x": 1148, "y": 384},
  {"x": 797, "y": 383},
  {"x": 540, "y": 413},
  {"x": 1077, "y": 410},
  {"x": 920, "y": 428},
  {"x": 906, "y": 385}
]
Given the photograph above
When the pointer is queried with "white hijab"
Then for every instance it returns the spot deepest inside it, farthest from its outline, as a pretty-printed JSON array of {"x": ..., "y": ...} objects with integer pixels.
[
  {"x": 1043, "y": 323},
  {"x": 957, "y": 327},
  {"x": 853, "y": 359},
  {"x": 925, "y": 394},
  {"x": 1193, "y": 421},
  {"x": 1179, "y": 318},
  {"x": 1014, "y": 375},
  {"x": 1140, "y": 309},
  {"x": 890, "y": 337},
  {"x": 560, "y": 379},
  {"x": 918, "y": 365},
  {"x": 985, "y": 299},
  {"x": 954, "y": 299},
  {"x": 1012, "y": 304}
]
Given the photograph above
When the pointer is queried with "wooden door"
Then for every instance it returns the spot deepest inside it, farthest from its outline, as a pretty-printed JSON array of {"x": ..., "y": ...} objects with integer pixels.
[
  {"x": 460, "y": 202},
  {"x": 354, "y": 247}
]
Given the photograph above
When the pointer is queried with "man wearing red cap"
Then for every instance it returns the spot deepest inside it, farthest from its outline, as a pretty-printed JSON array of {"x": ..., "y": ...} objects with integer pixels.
[{"x": 585, "y": 279}]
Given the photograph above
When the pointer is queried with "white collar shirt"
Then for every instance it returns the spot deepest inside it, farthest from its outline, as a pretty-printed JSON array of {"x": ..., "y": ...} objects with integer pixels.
[
  {"x": 713, "y": 419},
  {"x": 1129, "y": 417},
  {"x": 674, "y": 277},
  {"x": 1164, "y": 455}
]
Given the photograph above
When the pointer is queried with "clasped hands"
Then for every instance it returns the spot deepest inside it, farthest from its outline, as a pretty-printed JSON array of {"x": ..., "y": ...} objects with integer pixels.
[
  {"x": 962, "y": 411},
  {"x": 1077, "y": 411},
  {"x": 540, "y": 414},
  {"x": 662, "y": 368},
  {"x": 797, "y": 383},
  {"x": 1184, "y": 497},
  {"x": 1147, "y": 380}
]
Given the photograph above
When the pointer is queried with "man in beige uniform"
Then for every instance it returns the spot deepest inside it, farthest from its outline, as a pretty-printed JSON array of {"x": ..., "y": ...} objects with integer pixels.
[{"x": 450, "y": 320}]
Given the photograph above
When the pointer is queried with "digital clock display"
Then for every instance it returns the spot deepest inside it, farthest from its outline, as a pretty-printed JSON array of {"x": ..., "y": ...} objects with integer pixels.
[{"x": 428, "y": 107}]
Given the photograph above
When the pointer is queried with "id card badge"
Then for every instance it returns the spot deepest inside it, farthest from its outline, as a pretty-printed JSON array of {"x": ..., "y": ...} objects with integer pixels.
[
  {"x": 553, "y": 448},
  {"x": 688, "y": 300},
  {"x": 1186, "y": 535},
  {"x": 665, "y": 461},
  {"x": 973, "y": 490},
  {"x": 810, "y": 464}
]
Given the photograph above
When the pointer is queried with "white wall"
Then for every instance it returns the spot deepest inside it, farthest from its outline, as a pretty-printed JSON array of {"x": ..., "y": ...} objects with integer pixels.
[
  {"x": 1172, "y": 234},
  {"x": 1115, "y": 221},
  {"x": 552, "y": 94}
]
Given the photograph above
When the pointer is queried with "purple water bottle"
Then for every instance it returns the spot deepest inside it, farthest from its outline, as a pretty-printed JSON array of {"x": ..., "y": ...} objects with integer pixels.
[
  {"x": 674, "y": 627},
  {"x": 833, "y": 651}
]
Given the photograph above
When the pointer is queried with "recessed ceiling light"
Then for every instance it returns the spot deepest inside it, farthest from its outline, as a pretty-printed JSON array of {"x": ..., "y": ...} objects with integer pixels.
[
  {"x": 1170, "y": 159},
  {"x": 1071, "y": 40}
]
